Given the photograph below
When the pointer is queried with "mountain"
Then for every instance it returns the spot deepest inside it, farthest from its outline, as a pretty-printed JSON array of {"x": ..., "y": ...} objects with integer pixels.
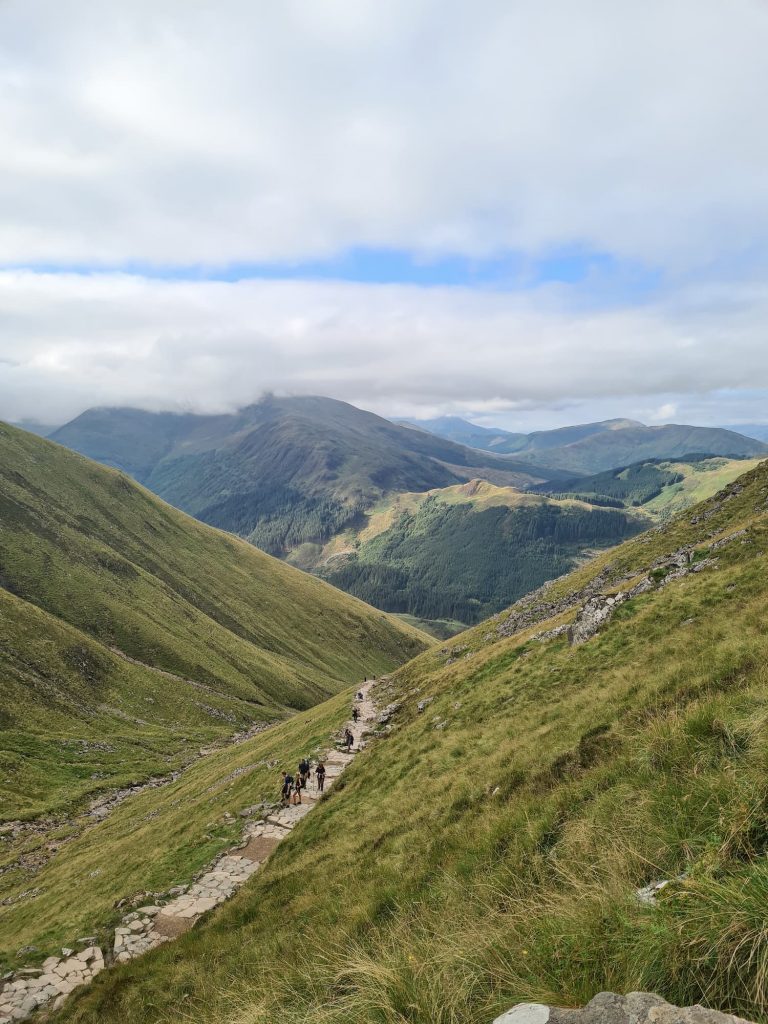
[
  {"x": 759, "y": 431},
  {"x": 283, "y": 471},
  {"x": 131, "y": 634},
  {"x": 496, "y": 840},
  {"x": 661, "y": 488},
  {"x": 41, "y": 429},
  {"x": 453, "y": 428},
  {"x": 595, "y": 447}
]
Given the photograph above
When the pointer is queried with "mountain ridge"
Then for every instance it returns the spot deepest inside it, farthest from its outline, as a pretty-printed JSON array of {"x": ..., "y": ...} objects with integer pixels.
[{"x": 596, "y": 447}]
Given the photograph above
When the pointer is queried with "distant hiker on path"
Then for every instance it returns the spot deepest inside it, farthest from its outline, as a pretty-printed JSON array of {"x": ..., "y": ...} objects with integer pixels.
[
  {"x": 320, "y": 776},
  {"x": 349, "y": 740},
  {"x": 285, "y": 793},
  {"x": 355, "y": 714},
  {"x": 359, "y": 694},
  {"x": 304, "y": 771}
]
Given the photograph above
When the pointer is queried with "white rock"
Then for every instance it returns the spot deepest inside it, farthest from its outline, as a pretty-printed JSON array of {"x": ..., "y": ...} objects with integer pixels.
[
  {"x": 91, "y": 953},
  {"x": 525, "y": 1013}
]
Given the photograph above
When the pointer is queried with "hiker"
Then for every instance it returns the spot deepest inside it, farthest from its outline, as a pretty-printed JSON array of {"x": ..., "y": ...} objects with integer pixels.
[
  {"x": 304, "y": 772},
  {"x": 359, "y": 694},
  {"x": 320, "y": 776},
  {"x": 296, "y": 796},
  {"x": 355, "y": 714},
  {"x": 285, "y": 793},
  {"x": 349, "y": 740}
]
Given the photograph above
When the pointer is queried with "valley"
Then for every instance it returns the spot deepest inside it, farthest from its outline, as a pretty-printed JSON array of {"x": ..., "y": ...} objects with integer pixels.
[
  {"x": 602, "y": 734},
  {"x": 133, "y": 639},
  {"x": 445, "y": 527}
]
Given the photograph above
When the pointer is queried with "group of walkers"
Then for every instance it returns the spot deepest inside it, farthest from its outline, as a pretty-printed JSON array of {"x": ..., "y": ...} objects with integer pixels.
[{"x": 293, "y": 784}]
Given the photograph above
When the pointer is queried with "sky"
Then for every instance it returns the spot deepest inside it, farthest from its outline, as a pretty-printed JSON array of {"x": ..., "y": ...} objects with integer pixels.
[{"x": 526, "y": 212}]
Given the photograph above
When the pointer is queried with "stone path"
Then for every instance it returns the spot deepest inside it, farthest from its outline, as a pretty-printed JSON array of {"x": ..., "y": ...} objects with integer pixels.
[{"x": 151, "y": 925}]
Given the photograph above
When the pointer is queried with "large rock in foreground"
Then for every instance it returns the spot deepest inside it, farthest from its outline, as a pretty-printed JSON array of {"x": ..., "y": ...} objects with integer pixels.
[{"x": 610, "y": 1008}]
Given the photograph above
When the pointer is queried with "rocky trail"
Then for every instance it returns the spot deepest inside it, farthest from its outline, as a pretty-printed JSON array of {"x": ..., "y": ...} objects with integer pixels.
[{"x": 29, "y": 989}]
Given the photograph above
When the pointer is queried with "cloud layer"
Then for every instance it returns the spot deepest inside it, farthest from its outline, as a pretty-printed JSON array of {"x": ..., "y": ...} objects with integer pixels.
[
  {"x": 163, "y": 133},
  {"x": 70, "y": 341},
  {"x": 186, "y": 132}
]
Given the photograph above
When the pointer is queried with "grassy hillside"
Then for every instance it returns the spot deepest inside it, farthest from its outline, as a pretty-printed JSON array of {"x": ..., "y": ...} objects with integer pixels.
[
  {"x": 463, "y": 552},
  {"x": 488, "y": 849},
  {"x": 283, "y": 471},
  {"x": 150, "y": 842},
  {"x": 127, "y": 621},
  {"x": 661, "y": 487}
]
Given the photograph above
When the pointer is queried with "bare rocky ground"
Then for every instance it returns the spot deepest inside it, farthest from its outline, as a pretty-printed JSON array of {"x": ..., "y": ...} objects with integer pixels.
[{"x": 29, "y": 989}]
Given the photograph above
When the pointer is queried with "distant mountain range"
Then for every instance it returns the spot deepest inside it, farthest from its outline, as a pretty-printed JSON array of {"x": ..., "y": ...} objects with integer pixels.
[
  {"x": 595, "y": 447},
  {"x": 285, "y": 470},
  {"x": 312, "y": 479},
  {"x": 757, "y": 430}
]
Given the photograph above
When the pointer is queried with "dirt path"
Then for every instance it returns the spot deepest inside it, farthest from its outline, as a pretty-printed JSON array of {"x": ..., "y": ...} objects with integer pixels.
[{"x": 150, "y": 926}]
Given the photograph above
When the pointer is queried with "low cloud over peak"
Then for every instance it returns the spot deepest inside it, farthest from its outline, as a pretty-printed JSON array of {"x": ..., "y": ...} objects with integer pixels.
[{"x": 71, "y": 341}]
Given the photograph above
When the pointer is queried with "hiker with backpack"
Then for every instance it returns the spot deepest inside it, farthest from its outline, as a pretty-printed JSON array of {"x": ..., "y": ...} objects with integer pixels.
[
  {"x": 355, "y": 714},
  {"x": 303, "y": 772},
  {"x": 285, "y": 792},
  {"x": 320, "y": 776},
  {"x": 349, "y": 740}
]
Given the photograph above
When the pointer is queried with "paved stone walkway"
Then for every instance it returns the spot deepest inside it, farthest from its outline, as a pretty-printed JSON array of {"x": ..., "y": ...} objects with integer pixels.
[{"x": 150, "y": 926}]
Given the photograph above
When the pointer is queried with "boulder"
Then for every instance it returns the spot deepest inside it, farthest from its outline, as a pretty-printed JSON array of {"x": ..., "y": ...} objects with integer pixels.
[{"x": 610, "y": 1008}]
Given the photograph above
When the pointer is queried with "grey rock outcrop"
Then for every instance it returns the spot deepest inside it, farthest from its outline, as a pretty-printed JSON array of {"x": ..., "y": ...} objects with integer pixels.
[{"x": 610, "y": 1008}]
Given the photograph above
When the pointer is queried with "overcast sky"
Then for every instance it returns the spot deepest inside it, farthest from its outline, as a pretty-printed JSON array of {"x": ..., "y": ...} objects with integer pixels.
[{"x": 529, "y": 212}]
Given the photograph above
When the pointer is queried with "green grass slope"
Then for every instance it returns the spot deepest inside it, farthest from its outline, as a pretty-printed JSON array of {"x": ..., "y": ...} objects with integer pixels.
[
  {"x": 488, "y": 849},
  {"x": 124, "y": 616},
  {"x": 150, "y": 842},
  {"x": 660, "y": 487}
]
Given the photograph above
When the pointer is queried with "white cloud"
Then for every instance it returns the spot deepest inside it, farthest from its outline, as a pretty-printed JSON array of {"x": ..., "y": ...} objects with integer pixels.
[
  {"x": 665, "y": 413},
  {"x": 69, "y": 341},
  {"x": 191, "y": 132}
]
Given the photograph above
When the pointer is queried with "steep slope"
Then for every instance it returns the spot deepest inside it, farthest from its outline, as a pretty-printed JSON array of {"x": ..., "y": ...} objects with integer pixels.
[
  {"x": 282, "y": 471},
  {"x": 493, "y": 844},
  {"x": 589, "y": 448},
  {"x": 124, "y": 617}
]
